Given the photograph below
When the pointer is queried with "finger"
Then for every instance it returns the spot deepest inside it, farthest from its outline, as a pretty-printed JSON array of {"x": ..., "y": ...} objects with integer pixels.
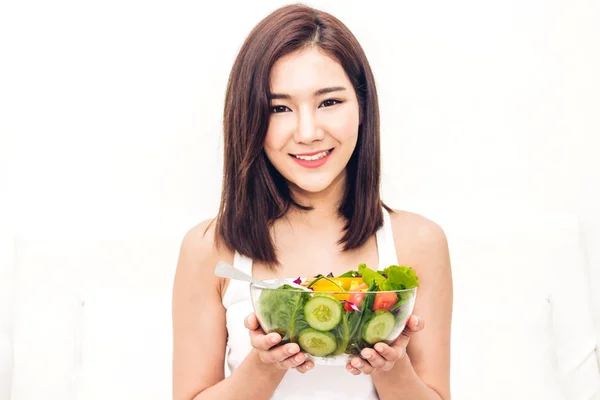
[
  {"x": 305, "y": 366},
  {"x": 263, "y": 342},
  {"x": 389, "y": 353},
  {"x": 251, "y": 322},
  {"x": 352, "y": 370},
  {"x": 374, "y": 358},
  {"x": 362, "y": 366},
  {"x": 287, "y": 359},
  {"x": 282, "y": 353},
  {"x": 414, "y": 325}
]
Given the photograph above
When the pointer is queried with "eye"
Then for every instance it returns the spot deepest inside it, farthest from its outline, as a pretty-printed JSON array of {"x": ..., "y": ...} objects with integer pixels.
[
  {"x": 278, "y": 109},
  {"x": 330, "y": 102}
]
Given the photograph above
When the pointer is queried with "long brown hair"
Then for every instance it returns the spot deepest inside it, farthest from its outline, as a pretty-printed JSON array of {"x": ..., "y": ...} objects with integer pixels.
[{"x": 254, "y": 193}]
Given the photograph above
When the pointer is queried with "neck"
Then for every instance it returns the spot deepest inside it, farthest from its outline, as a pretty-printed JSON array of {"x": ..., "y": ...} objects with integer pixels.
[{"x": 325, "y": 204}]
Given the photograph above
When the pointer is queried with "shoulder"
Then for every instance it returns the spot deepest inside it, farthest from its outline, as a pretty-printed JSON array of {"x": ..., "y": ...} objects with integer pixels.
[
  {"x": 199, "y": 253},
  {"x": 415, "y": 229},
  {"x": 199, "y": 240},
  {"x": 420, "y": 243}
]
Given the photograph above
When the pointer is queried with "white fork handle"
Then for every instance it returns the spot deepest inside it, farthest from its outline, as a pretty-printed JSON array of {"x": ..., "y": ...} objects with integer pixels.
[{"x": 226, "y": 270}]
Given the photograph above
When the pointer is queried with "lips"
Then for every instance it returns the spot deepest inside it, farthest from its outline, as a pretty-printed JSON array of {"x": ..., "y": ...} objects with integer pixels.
[
  {"x": 312, "y": 156},
  {"x": 312, "y": 160}
]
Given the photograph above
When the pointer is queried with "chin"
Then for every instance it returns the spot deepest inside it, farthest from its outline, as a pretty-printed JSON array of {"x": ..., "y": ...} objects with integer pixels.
[{"x": 312, "y": 187}]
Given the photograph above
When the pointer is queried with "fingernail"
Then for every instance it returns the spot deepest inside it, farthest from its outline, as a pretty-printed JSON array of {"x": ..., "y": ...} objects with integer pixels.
[
  {"x": 416, "y": 320},
  {"x": 309, "y": 366},
  {"x": 292, "y": 350},
  {"x": 379, "y": 348},
  {"x": 274, "y": 339},
  {"x": 298, "y": 358},
  {"x": 358, "y": 364},
  {"x": 368, "y": 354}
]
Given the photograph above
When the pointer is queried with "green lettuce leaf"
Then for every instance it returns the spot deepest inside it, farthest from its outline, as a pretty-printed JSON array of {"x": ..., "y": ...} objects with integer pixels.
[
  {"x": 394, "y": 277},
  {"x": 369, "y": 276},
  {"x": 282, "y": 311},
  {"x": 399, "y": 278}
]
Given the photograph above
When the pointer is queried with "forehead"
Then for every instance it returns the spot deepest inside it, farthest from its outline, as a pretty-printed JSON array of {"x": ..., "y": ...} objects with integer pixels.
[{"x": 305, "y": 71}]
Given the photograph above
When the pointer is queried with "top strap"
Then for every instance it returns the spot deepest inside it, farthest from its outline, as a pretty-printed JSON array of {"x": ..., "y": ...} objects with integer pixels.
[{"x": 385, "y": 243}]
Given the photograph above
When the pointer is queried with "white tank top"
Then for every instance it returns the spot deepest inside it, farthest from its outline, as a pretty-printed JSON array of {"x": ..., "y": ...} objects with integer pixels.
[{"x": 321, "y": 382}]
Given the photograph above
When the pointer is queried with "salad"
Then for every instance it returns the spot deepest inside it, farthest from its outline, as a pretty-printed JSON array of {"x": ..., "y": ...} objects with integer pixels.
[{"x": 343, "y": 314}]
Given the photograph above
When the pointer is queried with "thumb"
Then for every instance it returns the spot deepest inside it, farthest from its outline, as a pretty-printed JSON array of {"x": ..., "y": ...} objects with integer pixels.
[
  {"x": 413, "y": 325},
  {"x": 251, "y": 322}
]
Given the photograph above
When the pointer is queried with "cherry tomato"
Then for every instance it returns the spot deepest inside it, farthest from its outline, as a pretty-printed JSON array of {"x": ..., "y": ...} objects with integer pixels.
[
  {"x": 356, "y": 298},
  {"x": 385, "y": 301}
]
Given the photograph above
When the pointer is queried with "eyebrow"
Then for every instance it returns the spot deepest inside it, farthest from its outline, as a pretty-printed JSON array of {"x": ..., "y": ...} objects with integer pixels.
[{"x": 319, "y": 92}]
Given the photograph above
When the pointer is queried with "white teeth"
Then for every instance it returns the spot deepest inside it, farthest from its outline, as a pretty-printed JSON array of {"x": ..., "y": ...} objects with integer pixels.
[{"x": 314, "y": 157}]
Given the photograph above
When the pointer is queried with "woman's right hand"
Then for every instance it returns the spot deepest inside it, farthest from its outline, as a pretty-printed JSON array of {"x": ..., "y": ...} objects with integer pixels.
[{"x": 283, "y": 357}]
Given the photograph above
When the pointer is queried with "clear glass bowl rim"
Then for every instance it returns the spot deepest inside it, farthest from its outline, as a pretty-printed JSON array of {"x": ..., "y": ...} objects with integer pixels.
[{"x": 252, "y": 285}]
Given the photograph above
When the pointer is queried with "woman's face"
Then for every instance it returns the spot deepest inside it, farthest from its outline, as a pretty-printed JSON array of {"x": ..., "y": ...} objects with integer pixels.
[{"x": 314, "y": 120}]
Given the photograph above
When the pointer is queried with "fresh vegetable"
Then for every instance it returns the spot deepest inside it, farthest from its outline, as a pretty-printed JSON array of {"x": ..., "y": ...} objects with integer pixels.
[
  {"x": 341, "y": 314},
  {"x": 402, "y": 309},
  {"x": 393, "y": 277},
  {"x": 385, "y": 301},
  {"x": 355, "y": 298},
  {"x": 350, "y": 283},
  {"x": 342, "y": 334},
  {"x": 323, "y": 312},
  {"x": 283, "y": 309},
  {"x": 379, "y": 327},
  {"x": 323, "y": 283},
  {"x": 351, "y": 274},
  {"x": 399, "y": 278},
  {"x": 341, "y": 285},
  {"x": 317, "y": 343},
  {"x": 349, "y": 306}
]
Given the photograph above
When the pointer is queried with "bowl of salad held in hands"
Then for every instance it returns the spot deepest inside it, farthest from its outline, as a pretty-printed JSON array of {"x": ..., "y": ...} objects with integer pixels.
[{"x": 334, "y": 317}]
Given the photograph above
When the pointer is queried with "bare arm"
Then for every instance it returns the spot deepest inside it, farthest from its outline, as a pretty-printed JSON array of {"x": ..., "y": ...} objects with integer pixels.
[
  {"x": 200, "y": 334},
  {"x": 424, "y": 374}
]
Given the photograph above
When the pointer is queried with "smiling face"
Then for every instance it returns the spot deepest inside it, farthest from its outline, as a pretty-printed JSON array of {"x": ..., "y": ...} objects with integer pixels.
[{"x": 314, "y": 120}]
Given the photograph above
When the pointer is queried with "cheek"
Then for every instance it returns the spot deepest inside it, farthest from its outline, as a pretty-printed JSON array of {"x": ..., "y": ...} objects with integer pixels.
[
  {"x": 275, "y": 140},
  {"x": 345, "y": 126},
  {"x": 271, "y": 144}
]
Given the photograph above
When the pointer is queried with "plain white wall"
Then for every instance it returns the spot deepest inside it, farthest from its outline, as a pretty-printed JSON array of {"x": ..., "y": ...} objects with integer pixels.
[
  {"x": 114, "y": 109},
  {"x": 6, "y": 313},
  {"x": 110, "y": 113}
]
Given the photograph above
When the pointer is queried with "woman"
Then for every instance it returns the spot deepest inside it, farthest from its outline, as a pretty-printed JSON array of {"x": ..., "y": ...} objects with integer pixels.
[{"x": 301, "y": 197}]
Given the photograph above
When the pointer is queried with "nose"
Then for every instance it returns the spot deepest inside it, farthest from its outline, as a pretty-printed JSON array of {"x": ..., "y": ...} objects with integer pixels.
[{"x": 307, "y": 128}]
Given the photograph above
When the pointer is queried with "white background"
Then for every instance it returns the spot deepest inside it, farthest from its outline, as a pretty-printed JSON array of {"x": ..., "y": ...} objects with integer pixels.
[
  {"x": 113, "y": 109},
  {"x": 110, "y": 112}
]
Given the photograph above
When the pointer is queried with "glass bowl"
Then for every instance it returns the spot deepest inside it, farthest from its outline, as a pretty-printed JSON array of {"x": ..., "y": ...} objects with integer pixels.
[{"x": 332, "y": 326}]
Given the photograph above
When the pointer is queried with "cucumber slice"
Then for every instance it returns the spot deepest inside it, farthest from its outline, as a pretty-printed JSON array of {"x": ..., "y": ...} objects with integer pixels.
[
  {"x": 317, "y": 343},
  {"x": 323, "y": 312},
  {"x": 379, "y": 327}
]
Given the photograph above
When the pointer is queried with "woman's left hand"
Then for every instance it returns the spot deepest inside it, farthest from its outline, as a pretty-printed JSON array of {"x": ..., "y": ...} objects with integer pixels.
[{"x": 384, "y": 357}]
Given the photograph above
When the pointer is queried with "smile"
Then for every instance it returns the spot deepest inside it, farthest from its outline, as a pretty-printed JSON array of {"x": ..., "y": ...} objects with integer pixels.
[
  {"x": 313, "y": 157},
  {"x": 312, "y": 160}
]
